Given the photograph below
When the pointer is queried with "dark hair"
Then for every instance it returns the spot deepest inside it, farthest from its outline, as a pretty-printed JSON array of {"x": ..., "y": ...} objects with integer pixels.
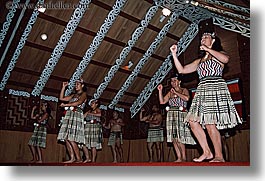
[
  {"x": 177, "y": 76},
  {"x": 217, "y": 46},
  {"x": 94, "y": 100},
  {"x": 84, "y": 88},
  {"x": 48, "y": 108}
]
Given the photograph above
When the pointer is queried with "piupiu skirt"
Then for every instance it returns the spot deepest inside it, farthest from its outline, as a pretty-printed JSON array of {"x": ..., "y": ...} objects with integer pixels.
[
  {"x": 155, "y": 134},
  {"x": 93, "y": 135},
  {"x": 38, "y": 137},
  {"x": 114, "y": 136},
  {"x": 212, "y": 104},
  {"x": 176, "y": 127},
  {"x": 72, "y": 128}
]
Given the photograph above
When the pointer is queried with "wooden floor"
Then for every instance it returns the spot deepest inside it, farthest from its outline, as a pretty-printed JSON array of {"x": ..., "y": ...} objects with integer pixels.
[{"x": 132, "y": 164}]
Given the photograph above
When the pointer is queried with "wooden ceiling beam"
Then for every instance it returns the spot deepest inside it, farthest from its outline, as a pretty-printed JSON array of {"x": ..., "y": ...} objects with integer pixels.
[
  {"x": 108, "y": 39},
  {"x": 134, "y": 19},
  {"x": 60, "y": 79},
  {"x": 76, "y": 57}
]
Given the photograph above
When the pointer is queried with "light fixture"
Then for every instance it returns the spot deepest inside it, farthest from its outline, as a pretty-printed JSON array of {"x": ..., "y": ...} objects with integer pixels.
[
  {"x": 44, "y": 37},
  {"x": 166, "y": 12},
  {"x": 195, "y": 3}
]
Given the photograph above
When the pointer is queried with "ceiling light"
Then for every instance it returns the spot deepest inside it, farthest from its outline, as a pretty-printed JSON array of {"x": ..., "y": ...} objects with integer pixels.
[
  {"x": 44, "y": 37},
  {"x": 166, "y": 12},
  {"x": 195, "y": 3}
]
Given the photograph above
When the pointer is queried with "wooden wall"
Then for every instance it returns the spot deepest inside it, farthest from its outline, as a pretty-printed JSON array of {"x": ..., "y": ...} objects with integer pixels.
[{"x": 14, "y": 149}]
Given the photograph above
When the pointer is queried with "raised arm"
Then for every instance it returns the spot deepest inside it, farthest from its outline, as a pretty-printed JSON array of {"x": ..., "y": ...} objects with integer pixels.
[
  {"x": 143, "y": 118},
  {"x": 162, "y": 99},
  {"x": 189, "y": 68},
  {"x": 62, "y": 97},
  {"x": 32, "y": 116}
]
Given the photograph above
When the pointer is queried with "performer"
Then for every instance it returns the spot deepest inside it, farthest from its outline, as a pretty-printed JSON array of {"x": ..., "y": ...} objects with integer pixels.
[
  {"x": 115, "y": 139},
  {"x": 178, "y": 132},
  {"x": 38, "y": 140},
  {"x": 72, "y": 127},
  {"x": 155, "y": 132},
  {"x": 93, "y": 130},
  {"x": 212, "y": 106}
]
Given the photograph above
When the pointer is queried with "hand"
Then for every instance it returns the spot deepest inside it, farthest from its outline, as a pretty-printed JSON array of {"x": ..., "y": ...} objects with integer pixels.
[
  {"x": 65, "y": 84},
  {"x": 160, "y": 87},
  {"x": 62, "y": 105},
  {"x": 174, "y": 49},
  {"x": 204, "y": 47},
  {"x": 142, "y": 110},
  {"x": 34, "y": 107}
]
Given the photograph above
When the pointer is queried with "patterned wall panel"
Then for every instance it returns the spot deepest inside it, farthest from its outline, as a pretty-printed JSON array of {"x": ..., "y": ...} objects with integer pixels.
[{"x": 17, "y": 112}]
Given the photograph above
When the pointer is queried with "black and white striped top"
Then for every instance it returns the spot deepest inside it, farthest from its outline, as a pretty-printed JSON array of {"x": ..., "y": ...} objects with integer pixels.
[
  {"x": 210, "y": 68},
  {"x": 177, "y": 102}
]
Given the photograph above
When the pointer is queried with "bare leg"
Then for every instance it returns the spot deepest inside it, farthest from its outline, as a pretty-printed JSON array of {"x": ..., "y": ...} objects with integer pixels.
[
  {"x": 70, "y": 151},
  {"x": 225, "y": 147},
  {"x": 201, "y": 137},
  {"x": 33, "y": 151},
  {"x": 114, "y": 154},
  {"x": 176, "y": 147},
  {"x": 150, "y": 151},
  {"x": 120, "y": 151},
  {"x": 39, "y": 151},
  {"x": 217, "y": 144},
  {"x": 183, "y": 151},
  {"x": 86, "y": 152},
  {"x": 158, "y": 151},
  {"x": 76, "y": 151},
  {"x": 94, "y": 154}
]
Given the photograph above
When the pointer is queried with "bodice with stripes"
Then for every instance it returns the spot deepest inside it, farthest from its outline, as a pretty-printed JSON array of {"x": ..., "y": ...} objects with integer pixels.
[
  {"x": 210, "y": 68},
  {"x": 177, "y": 102}
]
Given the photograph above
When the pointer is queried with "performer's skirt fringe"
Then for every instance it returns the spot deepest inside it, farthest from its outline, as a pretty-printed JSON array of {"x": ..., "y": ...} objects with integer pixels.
[
  {"x": 212, "y": 104},
  {"x": 176, "y": 127}
]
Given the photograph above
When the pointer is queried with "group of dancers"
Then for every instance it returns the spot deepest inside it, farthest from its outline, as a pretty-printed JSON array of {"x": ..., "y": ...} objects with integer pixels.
[{"x": 212, "y": 109}]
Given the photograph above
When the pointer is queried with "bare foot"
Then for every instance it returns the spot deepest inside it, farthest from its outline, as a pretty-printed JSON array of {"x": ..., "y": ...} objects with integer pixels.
[
  {"x": 78, "y": 161},
  {"x": 115, "y": 161},
  {"x": 178, "y": 160},
  {"x": 39, "y": 161},
  {"x": 203, "y": 157},
  {"x": 69, "y": 161},
  {"x": 87, "y": 161},
  {"x": 217, "y": 159}
]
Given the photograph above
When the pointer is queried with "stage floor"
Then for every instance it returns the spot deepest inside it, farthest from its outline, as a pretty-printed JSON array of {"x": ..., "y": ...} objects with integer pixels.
[{"x": 132, "y": 164}]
